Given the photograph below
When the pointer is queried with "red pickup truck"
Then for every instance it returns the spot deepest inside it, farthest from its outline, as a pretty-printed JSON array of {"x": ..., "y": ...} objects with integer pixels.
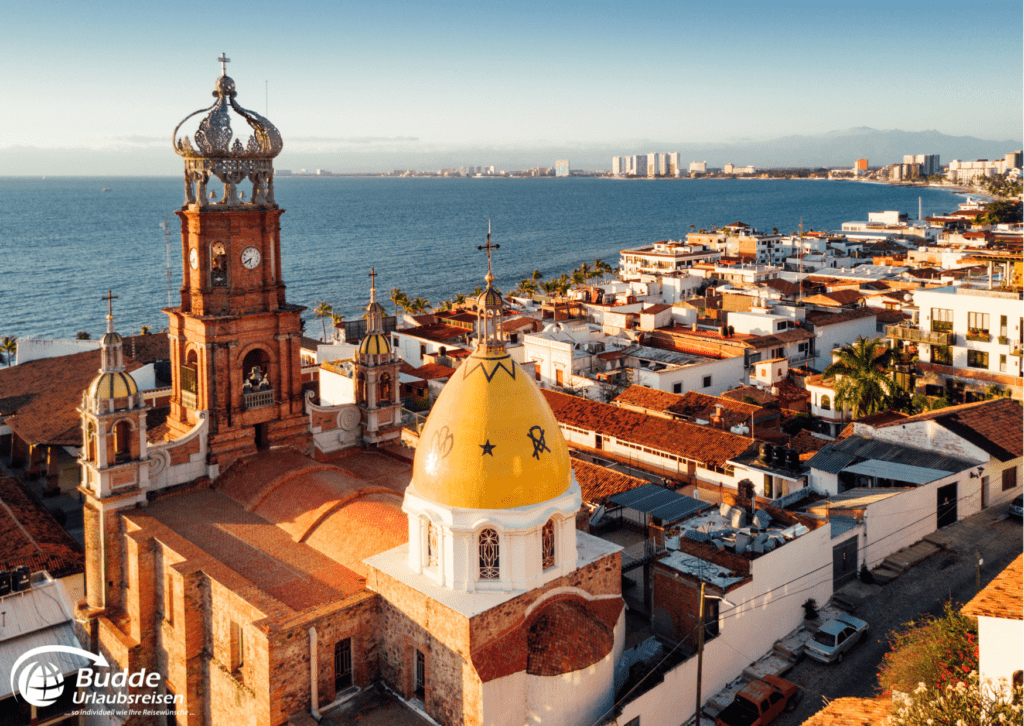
[{"x": 759, "y": 702}]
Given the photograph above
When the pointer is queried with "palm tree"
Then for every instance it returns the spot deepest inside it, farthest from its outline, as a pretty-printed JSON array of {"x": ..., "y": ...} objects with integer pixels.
[
  {"x": 419, "y": 306},
  {"x": 536, "y": 275},
  {"x": 460, "y": 299},
  {"x": 9, "y": 347},
  {"x": 323, "y": 311},
  {"x": 861, "y": 377},
  {"x": 602, "y": 268},
  {"x": 444, "y": 306},
  {"x": 399, "y": 298},
  {"x": 337, "y": 320}
]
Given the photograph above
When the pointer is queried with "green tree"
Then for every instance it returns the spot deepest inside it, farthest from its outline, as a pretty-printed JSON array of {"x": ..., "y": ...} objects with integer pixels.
[
  {"x": 83, "y": 335},
  {"x": 146, "y": 330},
  {"x": 323, "y": 311},
  {"x": 860, "y": 375},
  {"x": 9, "y": 348},
  {"x": 399, "y": 298},
  {"x": 418, "y": 306},
  {"x": 933, "y": 651},
  {"x": 337, "y": 320}
]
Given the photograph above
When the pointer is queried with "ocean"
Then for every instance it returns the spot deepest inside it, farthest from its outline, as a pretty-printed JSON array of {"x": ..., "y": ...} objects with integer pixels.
[{"x": 64, "y": 241}]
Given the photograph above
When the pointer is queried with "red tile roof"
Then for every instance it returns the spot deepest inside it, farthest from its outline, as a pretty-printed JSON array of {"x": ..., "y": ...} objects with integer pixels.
[
  {"x": 994, "y": 425},
  {"x": 598, "y": 483},
  {"x": 40, "y": 398},
  {"x": 436, "y": 332},
  {"x": 820, "y": 319},
  {"x": 703, "y": 444},
  {"x": 432, "y": 371},
  {"x": 653, "y": 309},
  {"x": 852, "y": 712},
  {"x": 30, "y": 536},
  {"x": 1001, "y": 598},
  {"x": 648, "y": 398}
]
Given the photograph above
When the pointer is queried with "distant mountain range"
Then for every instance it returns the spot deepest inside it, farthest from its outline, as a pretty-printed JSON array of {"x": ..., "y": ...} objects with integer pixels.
[{"x": 832, "y": 149}]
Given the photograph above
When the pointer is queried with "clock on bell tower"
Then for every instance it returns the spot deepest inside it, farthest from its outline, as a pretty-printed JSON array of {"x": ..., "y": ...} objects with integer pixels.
[{"x": 234, "y": 338}]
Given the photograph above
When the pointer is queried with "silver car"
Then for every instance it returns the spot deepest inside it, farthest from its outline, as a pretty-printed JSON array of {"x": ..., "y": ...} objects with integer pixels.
[{"x": 835, "y": 637}]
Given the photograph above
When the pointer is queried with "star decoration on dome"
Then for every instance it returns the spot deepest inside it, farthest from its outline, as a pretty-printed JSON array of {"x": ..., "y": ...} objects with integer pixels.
[{"x": 488, "y": 448}]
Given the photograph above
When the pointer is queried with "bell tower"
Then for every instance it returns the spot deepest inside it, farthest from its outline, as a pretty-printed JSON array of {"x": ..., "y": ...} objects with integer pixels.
[
  {"x": 234, "y": 339},
  {"x": 376, "y": 372}
]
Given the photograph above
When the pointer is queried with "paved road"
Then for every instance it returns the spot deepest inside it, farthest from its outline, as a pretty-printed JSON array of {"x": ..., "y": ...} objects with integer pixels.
[{"x": 947, "y": 575}]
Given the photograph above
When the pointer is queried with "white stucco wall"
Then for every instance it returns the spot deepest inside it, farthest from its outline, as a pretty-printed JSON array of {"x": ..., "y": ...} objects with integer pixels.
[
  {"x": 999, "y": 651},
  {"x": 336, "y": 389},
  {"x": 830, "y": 337}
]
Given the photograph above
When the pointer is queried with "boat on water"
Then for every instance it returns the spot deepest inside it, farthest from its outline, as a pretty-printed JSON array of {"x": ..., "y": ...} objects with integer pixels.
[{"x": 105, "y": 189}]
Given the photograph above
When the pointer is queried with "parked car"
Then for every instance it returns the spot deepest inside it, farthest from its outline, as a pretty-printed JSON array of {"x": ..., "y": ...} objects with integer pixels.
[
  {"x": 759, "y": 702},
  {"x": 835, "y": 637},
  {"x": 1017, "y": 507}
]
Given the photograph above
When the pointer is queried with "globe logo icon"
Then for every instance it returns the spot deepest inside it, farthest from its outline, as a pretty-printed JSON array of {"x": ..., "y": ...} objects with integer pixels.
[{"x": 41, "y": 683}]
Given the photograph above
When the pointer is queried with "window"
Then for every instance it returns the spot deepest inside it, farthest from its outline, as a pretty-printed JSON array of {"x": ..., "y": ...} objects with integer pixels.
[
  {"x": 237, "y": 647},
  {"x": 548, "y": 545},
  {"x": 826, "y": 403},
  {"x": 977, "y": 326},
  {"x": 780, "y": 326},
  {"x": 432, "y": 546},
  {"x": 942, "y": 320},
  {"x": 711, "y": 628},
  {"x": 1002, "y": 363},
  {"x": 707, "y": 381},
  {"x": 169, "y": 600},
  {"x": 942, "y": 354},
  {"x": 342, "y": 664},
  {"x": 218, "y": 265},
  {"x": 1010, "y": 478},
  {"x": 677, "y": 388},
  {"x": 1003, "y": 324},
  {"x": 490, "y": 564},
  {"x": 977, "y": 359},
  {"x": 420, "y": 689}
]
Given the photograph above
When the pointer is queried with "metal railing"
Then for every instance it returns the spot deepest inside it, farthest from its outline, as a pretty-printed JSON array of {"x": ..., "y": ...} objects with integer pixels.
[
  {"x": 916, "y": 335},
  {"x": 258, "y": 399}
]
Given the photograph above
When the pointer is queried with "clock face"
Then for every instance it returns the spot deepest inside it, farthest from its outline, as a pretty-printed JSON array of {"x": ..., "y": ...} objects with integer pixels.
[
  {"x": 193, "y": 258},
  {"x": 251, "y": 257}
]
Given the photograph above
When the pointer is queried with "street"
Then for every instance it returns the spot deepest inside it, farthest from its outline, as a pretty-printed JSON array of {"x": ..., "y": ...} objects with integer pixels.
[{"x": 923, "y": 589}]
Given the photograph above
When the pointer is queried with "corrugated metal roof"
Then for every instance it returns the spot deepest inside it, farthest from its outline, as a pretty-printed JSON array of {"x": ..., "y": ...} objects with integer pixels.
[
  {"x": 41, "y": 606},
  {"x": 14, "y": 648},
  {"x": 854, "y": 449},
  {"x": 701, "y": 569},
  {"x": 897, "y": 472},
  {"x": 667, "y": 505},
  {"x": 842, "y": 525}
]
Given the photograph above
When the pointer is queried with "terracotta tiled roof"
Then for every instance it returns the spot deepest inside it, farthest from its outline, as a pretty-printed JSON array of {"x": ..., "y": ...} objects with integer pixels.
[
  {"x": 839, "y": 298},
  {"x": 40, "y": 397},
  {"x": 880, "y": 419},
  {"x": 147, "y": 348},
  {"x": 792, "y": 335},
  {"x": 437, "y": 332},
  {"x": 1001, "y": 598},
  {"x": 994, "y": 425},
  {"x": 852, "y": 712},
  {"x": 807, "y": 444},
  {"x": 700, "y": 405},
  {"x": 653, "y": 309},
  {"x": 30, "y": 536},
  {"x": 891, "y": 317},
  {"x": 648, "y": 398},
  {"x": 310, "y": 344},
  {"x": 699, "y": 443},
  {"x": 432, "y": 371},
  {"x": 819, "y": 319},
  {"x": 598, "y": 483}
]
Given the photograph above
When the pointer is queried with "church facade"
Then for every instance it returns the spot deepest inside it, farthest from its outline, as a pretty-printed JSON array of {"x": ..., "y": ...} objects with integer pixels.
[{"x": 270, "y": 556}]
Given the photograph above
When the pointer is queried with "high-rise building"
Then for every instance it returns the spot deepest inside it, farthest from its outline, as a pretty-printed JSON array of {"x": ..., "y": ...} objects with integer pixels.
[
  {"x": 860, "y": 165},
  {"x": 652, "y": 164},
  {"x": 673, "y": 163},
  {"x": 698, "y": 167},
  {"x": 562, "y": 167},
  {"x": 929, "y": 163},
  {"x": 618, "y": 168}
]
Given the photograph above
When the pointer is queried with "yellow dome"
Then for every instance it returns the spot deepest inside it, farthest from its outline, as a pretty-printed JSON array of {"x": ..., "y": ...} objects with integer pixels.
[
  {"x": 491, "y": 440},
  {"x": 375, "y": 344},
  {"x": 113, "y": 385}
]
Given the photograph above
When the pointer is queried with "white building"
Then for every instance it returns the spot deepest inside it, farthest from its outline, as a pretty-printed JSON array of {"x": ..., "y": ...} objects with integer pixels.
[
  {"x": 837, "y": 330},
  {"x": 698, "y": 167},
  {"x": 618, "y": 166},
  {"x": 663, "y": 258},
  {"x": 968, "y": 335},
  {"x": 998, "y": 608}
]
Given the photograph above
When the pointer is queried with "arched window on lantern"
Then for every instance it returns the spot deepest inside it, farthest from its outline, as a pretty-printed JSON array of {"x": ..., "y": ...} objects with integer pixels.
[
  {"x": 432, "y": 546},
  {"x": 489, "y": 554},
  {"x": 547, "y": 540},
  {"x": 90, "y": 442},
  {"x": 122, "y": 441},
  {"x": 384, "y": 390}
]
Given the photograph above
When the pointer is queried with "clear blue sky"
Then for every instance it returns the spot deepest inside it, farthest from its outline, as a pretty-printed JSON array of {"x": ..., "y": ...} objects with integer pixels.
[{"x": 358, "y": 74}]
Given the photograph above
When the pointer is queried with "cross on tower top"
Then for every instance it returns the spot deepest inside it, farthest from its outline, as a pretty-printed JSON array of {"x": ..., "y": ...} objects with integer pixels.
[
  {"x": 373, "y": 279},
  {"x": 223, "y": 60},
  {"x": 489, "y": 247},
  {"x": 110, "y": 298}
]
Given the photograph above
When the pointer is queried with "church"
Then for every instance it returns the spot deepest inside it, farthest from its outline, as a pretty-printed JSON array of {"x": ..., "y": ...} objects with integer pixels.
[{"x": 271, "y": 557}]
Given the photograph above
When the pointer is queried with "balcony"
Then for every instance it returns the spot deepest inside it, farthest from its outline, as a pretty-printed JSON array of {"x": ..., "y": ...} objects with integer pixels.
[
  {"x": 258, "y": 399},
  {"x": 978, "y": 335},
  {"x": 916, "y": 335},
  {"x": 1017, "y": 348}
]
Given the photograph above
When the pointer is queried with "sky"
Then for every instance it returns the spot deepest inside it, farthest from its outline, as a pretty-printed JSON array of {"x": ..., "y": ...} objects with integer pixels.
[{"x": 366, "y": 78}]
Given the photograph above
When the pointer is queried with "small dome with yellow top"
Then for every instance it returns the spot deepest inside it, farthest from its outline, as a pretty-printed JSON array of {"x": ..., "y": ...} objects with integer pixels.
[
  {"x": 113, "y": 381},
  {"x": 376, "y": 342},
  {"x": 491, "y": 440},
  {"x": 113, "y": 385}
]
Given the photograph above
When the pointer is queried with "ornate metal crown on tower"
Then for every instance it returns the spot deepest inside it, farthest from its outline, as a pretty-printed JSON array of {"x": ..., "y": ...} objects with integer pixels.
[{"x": 231, "y": 162}]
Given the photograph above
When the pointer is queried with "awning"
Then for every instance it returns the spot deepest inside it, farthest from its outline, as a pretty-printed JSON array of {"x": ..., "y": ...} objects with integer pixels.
[
  {"x": 665, "y": 504},
  {"x": 896, "y": 472}
]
